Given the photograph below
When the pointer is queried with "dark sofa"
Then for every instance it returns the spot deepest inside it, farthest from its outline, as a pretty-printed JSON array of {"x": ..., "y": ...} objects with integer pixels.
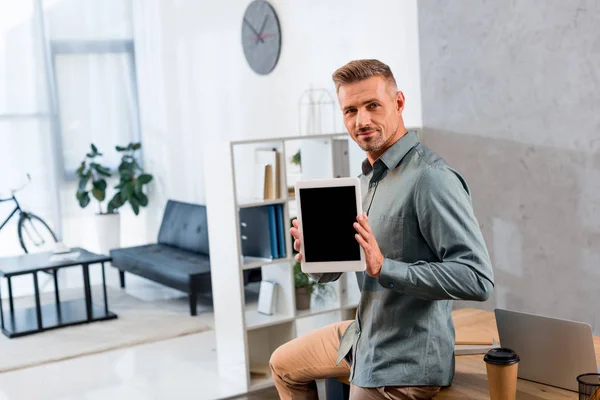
[{"x": 180, "y": 259}]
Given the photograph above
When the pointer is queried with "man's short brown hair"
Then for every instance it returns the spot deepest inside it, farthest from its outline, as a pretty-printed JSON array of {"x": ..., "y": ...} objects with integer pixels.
[{"x": 359, "y": 70}]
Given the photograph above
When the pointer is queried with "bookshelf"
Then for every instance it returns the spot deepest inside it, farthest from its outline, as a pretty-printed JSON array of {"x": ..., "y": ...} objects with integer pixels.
[{"x": 245, "y": 339}]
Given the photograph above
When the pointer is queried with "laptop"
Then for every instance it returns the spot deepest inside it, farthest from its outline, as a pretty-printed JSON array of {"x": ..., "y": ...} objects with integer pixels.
[{"x": 552, "y": 351}]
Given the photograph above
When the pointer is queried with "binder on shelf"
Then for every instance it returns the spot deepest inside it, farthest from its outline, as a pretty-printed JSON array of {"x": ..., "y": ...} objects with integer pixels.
[
  {"x": 281, "y": 231},
  {"x": 255, "y": 231},
  {"x": 273, "y": 231}
]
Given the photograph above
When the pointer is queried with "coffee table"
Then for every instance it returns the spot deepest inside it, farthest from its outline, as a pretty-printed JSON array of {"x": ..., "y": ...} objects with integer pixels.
[{"x": 42, "y": 317}]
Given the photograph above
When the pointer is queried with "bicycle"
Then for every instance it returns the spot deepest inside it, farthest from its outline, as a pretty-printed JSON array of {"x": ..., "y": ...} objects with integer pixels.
[{"x": 34, "y": 233}]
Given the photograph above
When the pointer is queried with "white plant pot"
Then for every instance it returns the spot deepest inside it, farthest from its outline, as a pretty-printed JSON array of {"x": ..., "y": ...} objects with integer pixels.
[{"x": 108, "y": 232}]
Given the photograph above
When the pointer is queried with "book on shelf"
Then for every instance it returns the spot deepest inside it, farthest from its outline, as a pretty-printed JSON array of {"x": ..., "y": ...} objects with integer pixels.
[
  {"x": 267, "y": 174},
  {"x": 267, "y": 297}
]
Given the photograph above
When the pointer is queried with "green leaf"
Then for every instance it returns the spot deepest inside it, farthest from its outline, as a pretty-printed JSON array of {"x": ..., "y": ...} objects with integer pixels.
[
  {"x": 100, "y": 195},
  {"x": 142, "y": 199},
  {"x": 83, "y": 182},
  {"x": 144, "y": 178},
  {"x": 127, "y": 191},
  {"x": 91, "y": 155},
  {"x": 130, "y": 146},
  {"x": 81, "y": 169},
  {"x": 119, "y": 148},
  {"x": 94, "y": 148},
  {"x": 136, "y": 146},
  {"x": 83, "y": 198},
  {"x": 101, "y": 169},
  {"x": 100, "y": 184},
  {"x": 134, "y": 205},
  {"x": 125, "y": 167}
]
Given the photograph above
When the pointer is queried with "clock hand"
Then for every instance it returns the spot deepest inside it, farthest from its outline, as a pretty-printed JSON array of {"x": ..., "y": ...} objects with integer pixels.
[
  {"x": 262, "y": 28},
  {"x": 264, "y": 36},
  {"x": 252, "y": 29}
]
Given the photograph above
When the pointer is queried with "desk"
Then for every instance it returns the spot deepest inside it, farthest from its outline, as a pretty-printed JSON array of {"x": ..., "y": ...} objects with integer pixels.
[{"x": 470, "y": 380}]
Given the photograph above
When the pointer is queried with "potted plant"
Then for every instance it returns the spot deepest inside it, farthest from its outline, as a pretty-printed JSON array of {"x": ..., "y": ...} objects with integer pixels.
[
  {"x": 92, "y": 181},
  {"x": 130, "y": 189}
]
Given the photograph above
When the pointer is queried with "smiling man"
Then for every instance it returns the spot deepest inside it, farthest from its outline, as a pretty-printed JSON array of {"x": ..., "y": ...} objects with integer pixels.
[{"x": 423, "y": 249}]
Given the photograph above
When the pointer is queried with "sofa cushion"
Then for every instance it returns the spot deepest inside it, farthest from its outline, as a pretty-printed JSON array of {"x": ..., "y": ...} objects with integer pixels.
[
  {"x": 185, "y": 226},
  {"x": 166, "y": 264}
]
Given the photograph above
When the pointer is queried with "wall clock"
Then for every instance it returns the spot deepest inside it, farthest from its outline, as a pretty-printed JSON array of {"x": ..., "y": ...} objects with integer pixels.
[{"x": 261, "y": 36}]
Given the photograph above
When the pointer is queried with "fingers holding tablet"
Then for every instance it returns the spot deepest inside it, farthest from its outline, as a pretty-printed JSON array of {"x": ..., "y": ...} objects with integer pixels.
[{"x": 296, "y": 234}]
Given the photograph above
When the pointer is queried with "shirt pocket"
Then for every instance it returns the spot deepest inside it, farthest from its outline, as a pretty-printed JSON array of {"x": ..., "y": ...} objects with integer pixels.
[{"x": 389, "y": 232}]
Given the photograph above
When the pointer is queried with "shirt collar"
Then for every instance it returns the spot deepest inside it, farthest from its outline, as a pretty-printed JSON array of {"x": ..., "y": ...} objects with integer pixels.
[{"x": 395, "y": 153}]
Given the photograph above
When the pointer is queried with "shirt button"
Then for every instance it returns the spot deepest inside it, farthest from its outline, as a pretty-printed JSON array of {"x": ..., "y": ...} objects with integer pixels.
[{"x": 391, "y": 285}]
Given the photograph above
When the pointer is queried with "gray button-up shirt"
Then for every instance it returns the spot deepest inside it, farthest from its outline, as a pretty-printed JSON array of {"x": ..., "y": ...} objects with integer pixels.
[{"x": 421, "y": 215}]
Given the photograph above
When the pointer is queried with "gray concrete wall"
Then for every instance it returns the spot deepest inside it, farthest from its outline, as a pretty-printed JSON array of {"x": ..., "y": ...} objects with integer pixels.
[{"x": 511, "y": 99}]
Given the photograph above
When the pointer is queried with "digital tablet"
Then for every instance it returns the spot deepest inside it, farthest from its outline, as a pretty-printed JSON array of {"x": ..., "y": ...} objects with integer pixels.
[{"x": 327, "y": 210}]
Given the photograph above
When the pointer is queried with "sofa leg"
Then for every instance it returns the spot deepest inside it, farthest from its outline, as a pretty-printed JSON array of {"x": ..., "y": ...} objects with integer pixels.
[
  {"x": 122, "y": 278},
  {"x": 193, "y": 304}
]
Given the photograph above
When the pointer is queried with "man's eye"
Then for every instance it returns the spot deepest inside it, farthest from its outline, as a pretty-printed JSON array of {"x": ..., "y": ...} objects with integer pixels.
[
  {"x": 350, "y": 111},
  {"x": 373, "y": 105}
]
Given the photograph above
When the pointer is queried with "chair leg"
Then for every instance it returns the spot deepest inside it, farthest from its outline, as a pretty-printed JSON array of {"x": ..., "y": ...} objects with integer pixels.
[
  {"x": 122, "y": 278},
  {"x": 193, "y": 304}
]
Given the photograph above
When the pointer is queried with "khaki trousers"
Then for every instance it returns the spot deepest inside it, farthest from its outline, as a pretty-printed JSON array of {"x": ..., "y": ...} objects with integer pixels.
[{"x": 296, "y": 364}]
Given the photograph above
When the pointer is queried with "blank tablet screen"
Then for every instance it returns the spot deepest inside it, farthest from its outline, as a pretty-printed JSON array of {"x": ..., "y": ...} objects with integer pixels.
[{"x": 328, "y": 215}]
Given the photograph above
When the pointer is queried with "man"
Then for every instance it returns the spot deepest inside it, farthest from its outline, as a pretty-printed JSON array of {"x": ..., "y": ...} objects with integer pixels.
[{"x": 423, "y": 249}]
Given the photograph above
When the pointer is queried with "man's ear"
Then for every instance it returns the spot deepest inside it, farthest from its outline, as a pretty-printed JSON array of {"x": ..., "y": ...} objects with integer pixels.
[{"x": 400, "y": 101}]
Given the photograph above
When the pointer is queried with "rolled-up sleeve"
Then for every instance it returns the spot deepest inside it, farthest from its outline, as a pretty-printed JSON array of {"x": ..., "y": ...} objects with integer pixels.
[{"x": 463, "y": 270}]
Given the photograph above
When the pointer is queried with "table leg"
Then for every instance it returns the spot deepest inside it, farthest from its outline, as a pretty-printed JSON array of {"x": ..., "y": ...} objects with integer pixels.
[
  {"x": 38, "y": 307},
  {"x": 1, "y": 309},
  {"x": 10, "y": 298},
  {"x": 88, "y": 291},
  {"x": 104, "y": 290},
  {"x": 56, "y": 294}
]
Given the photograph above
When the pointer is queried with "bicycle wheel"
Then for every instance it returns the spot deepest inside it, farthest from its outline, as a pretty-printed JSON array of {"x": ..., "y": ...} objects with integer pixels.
[{"x": 34, "y": 234}]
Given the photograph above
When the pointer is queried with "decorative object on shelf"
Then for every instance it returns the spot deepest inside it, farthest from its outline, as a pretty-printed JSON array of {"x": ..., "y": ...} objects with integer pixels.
[
  {"x": 267, "y": 297},
  {"x": 132, "y": 180},
  {"x": 261, "y": 37},
  {"x": 314, "y": 107},
  {"x": 268, "y": 174},
  {"x": 296, "y": 159}
]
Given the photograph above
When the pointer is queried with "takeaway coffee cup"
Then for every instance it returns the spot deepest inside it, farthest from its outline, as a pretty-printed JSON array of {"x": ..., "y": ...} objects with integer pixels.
[{"x": 501, "y": 366}]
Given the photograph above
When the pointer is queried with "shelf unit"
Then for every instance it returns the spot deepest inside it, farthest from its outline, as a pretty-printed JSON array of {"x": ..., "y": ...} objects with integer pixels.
[{"x": 245, "y": 338}]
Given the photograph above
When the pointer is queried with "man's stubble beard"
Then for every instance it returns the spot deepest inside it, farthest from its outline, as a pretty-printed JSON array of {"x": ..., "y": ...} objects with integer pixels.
[{"x": 373, "y": 144}]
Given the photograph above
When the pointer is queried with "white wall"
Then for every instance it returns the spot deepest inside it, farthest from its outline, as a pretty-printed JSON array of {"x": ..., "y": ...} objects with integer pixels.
[{"x": 195, "y": 84}]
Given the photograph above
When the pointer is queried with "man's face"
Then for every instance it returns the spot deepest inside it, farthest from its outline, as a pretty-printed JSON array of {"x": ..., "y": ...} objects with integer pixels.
[{"x": 372, "y": 111}]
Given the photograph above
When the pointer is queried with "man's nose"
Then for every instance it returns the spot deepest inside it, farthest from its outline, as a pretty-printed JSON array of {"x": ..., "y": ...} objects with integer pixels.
[{"x": 362, "y": 118}]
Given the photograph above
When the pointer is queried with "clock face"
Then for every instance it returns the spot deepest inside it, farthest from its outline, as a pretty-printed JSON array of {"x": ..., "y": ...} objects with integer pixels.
[{"x": 261, "y": 37}]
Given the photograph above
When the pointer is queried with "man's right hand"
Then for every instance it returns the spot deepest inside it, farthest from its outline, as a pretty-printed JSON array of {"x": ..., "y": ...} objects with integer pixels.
[{"x": 296, "y": 234}]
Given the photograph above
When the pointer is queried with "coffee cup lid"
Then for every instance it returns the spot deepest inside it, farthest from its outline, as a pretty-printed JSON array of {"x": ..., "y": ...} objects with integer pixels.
[{"x": 501, "y": 356}]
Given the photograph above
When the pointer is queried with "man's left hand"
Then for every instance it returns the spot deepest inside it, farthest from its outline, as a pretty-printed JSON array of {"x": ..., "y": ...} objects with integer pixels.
[{"x": 367, "y": 241}]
